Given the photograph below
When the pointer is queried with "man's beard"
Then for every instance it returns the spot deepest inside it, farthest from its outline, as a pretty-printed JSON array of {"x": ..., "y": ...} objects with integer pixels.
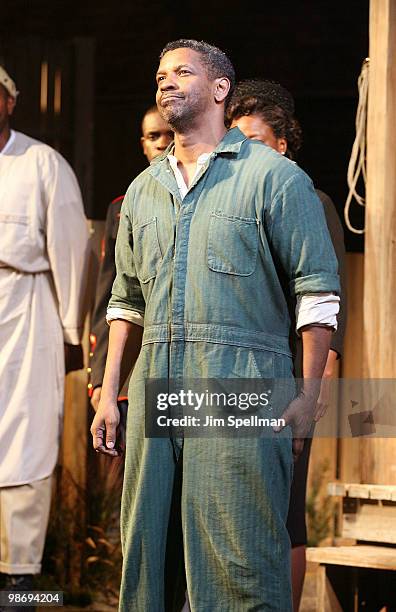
[{"x": 182, "y": 116}]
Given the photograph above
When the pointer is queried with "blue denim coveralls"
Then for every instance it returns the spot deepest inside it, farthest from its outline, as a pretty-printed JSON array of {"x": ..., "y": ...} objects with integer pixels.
[{"x": 210, "y": 274}]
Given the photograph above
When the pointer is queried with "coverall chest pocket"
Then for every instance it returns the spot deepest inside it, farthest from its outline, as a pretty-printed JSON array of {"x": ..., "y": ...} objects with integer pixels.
[
  {"x": 146, "y": 249},
  {"x": 232, "y": 244}
]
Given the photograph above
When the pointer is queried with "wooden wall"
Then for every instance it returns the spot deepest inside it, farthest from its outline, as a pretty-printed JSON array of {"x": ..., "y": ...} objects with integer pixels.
[
  {"x": 349, "y": 468},
  {"x": 348, "y": 456}
]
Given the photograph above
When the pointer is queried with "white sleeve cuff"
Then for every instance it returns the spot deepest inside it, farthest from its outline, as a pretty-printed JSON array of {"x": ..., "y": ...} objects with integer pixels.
[
  {"x": 319, "y": 308},
  {"x": 126, "y": 315}
]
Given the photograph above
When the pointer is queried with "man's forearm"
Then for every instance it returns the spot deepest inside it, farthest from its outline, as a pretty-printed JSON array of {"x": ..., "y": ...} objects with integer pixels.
[
  {"x": 120, "y": 333},
  {"x": 330, "y": 364},
  {"x": 131, "y": 352},
  {"x": 316, "y": 343}
]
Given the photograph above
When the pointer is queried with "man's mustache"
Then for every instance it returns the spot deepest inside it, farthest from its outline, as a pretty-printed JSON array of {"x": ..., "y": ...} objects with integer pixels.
[{"x": 167, "y": 96}]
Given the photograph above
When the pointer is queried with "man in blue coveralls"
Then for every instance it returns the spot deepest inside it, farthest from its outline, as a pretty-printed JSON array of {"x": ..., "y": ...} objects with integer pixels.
[{"x": 215, "y": 238}]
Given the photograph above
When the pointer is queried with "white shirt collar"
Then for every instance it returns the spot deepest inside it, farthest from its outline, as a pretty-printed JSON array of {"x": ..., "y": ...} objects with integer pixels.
[{"x": 173, "y": 161}]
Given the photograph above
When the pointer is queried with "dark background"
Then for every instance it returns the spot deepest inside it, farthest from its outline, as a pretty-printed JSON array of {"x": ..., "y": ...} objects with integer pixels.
[{"x": 108, "y": 52}]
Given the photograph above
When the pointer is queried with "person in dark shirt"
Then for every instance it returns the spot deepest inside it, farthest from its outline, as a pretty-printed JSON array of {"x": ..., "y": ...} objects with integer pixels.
[
  {"x": 156, "y": 136},
  {"x": 264, "y": 111}
]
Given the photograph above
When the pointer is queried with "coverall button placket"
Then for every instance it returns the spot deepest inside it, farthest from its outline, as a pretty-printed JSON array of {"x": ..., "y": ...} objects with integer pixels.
[
  {"x": 177, "y": 342},
  {"x": 182, "y": 238}
]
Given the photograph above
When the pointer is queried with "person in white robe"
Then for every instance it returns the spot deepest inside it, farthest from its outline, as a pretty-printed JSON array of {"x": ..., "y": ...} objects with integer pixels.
[{"x": 43, "y": 248}]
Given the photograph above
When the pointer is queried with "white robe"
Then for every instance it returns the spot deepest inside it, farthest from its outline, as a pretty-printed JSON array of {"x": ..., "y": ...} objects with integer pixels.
[{"x": 43, "y": 244}]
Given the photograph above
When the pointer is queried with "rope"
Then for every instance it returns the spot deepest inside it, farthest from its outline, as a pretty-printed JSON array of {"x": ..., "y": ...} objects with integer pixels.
[{"x": 357, "y": 162}]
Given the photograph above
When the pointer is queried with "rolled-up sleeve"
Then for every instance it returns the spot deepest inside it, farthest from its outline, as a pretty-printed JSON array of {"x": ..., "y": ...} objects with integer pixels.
[
  {"x": 126, "y": 293},
  {"x": 300, "y": 238}
]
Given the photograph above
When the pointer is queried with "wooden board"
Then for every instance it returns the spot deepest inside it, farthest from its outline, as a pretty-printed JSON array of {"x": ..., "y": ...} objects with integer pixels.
[
  {"x": 372, "y": 522},
  {"x": 362, "y": 491},
  {"x": 379, "y": 455},
  {"x": 352, "y": 361},
  {"x": 374, "y": 557},
  {"x": 326, "y": 598}
]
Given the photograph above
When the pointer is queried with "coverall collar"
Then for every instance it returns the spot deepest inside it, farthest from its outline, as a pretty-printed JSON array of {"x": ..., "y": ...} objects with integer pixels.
[{"x": 230, "y": 143}]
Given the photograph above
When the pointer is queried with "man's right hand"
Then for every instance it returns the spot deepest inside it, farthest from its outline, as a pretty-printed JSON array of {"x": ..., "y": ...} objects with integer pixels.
[
  {"x": 95, "y": 398},
  {"x": 104, "y": 427}
]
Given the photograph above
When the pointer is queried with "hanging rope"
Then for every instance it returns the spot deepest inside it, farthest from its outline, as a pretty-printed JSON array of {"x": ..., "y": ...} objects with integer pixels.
[{"x": 357, "y": 162}]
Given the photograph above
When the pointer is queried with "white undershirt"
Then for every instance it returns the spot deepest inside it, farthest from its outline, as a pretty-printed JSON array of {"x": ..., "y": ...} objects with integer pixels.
[
  {"x": 314, "y": 308},
  {"x": 173, "y": 162}
]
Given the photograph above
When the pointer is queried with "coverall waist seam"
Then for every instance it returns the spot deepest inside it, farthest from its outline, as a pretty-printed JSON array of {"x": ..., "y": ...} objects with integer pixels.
[{"x": 217, "y": 334}]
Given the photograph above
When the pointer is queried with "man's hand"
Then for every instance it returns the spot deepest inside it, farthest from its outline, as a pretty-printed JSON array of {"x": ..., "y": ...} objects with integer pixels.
[
  {"x": 325, "y": 388},
  {"x": 323, "y": 399},
  {"x": 299, "y": 415},
  {"x": 104, "y": 428},
  {"x": 107, "y": 418},
  {"x": 95, "y": 398}
]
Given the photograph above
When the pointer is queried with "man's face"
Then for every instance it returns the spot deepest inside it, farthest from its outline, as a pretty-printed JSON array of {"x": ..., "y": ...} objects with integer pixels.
[
  {"x": 7, "y": 104},
  {"x": 254, "y": 126},
  {"x": 185, "y": 91},
  {"x": 156, "y": 135}
]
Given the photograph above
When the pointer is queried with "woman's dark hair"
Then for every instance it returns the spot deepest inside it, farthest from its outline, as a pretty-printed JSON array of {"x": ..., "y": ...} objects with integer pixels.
[{"x": 273, "y": 103}]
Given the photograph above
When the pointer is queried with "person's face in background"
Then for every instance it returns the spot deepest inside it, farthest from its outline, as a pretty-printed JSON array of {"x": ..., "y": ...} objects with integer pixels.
[
  {"x": 157, "y": 135},
  {"x": 7, "y": 104},
  {"x": 254, "y": 127}
]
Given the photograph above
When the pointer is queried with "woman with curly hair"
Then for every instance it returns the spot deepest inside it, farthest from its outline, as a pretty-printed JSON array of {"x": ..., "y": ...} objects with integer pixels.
[{"x": 264, "y": 111}]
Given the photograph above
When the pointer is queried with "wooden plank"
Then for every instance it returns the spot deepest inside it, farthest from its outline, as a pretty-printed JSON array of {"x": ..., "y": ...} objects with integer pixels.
[
  {"x": 382, "y": 493},
  {"x": 379, "y": 455},
  {"x": 331, "y": 601},
  {"x": 380, "y": 246},
  {"x": 323, "y": 451},
  {"x": 363, "y": 491},
  {"x": 374, "y": 557},
  {"x": 321, "y": 588},
  {"x": 352, "y": 362},
  {"x": 358, "y": 491},
  {"x": 371, "y": 522},
  {"x": 336, "y": 489},
  {"x": 339, "y": 541}
]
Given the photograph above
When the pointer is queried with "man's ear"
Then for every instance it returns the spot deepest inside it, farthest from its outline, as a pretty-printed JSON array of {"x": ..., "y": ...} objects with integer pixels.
[
  {"x": 10, "y": 104},
  {"x": 222, "y": 88}
]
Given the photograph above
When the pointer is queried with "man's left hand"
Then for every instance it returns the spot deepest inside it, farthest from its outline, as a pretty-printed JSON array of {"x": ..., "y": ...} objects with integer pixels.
[
  {"x": 325, "y": 388},
  {"x": 323, "y": 399},
  {"x": 300, "y": 415}
]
